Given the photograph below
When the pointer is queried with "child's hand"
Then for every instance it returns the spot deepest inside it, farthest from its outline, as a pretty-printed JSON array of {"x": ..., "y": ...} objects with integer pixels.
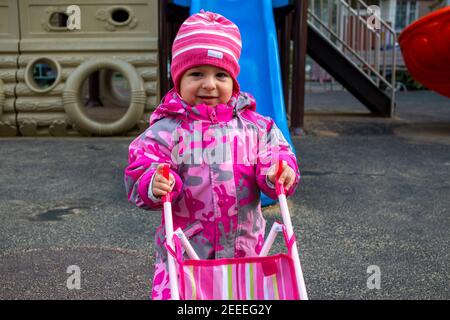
[
  {"x": 160, "y": 184},
  {"x": 287, "y": 177}
]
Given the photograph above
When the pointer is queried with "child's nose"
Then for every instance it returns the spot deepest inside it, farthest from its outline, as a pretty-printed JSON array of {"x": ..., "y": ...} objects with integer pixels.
[{"x": 209, "y": 83}]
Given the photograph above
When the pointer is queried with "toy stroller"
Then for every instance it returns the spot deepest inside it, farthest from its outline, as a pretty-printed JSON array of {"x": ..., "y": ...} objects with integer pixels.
[{"x": 277, "y": 277}]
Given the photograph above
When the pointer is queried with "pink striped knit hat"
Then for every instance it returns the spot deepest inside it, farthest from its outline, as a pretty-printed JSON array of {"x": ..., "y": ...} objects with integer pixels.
[{"x": 206, "y": 38}]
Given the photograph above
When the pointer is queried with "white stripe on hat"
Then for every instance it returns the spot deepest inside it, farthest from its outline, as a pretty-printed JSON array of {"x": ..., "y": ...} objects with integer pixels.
[
  {"x": 217, "y": 33},
  {"x": 204, "y": 47}
]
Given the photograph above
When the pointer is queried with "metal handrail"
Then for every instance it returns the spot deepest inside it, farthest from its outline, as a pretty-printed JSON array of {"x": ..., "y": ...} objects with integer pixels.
[
  {"x": 332, "y": 19},
  {"x": 357, "y": 56}
]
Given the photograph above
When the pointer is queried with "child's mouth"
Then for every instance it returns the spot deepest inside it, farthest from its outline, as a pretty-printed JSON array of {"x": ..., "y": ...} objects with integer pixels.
[{"x": 207, "y": 98}]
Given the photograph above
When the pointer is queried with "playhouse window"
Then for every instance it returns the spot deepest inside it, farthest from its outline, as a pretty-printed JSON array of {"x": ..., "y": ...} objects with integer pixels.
[
  {"x": 120, "y": 15},
  {"x": 59, "y": 19},
  {"x": 44, "y": 75}
]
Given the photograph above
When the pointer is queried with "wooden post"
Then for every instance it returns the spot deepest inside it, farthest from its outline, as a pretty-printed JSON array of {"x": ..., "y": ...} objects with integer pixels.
[
  {"x": 171, "y": 17},
  {"x": 288, "y": 79},
  {"x": 283, "y": 47},
  {"x": 163, "y": 47},
  {"x": 298, "y": 77}
]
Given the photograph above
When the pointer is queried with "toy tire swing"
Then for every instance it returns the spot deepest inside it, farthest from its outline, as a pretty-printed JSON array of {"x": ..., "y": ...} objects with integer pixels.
[{"x": 75, "y": 108}]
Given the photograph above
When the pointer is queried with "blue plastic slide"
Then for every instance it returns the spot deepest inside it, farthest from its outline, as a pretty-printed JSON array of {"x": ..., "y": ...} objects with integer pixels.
[{"x": 260, "y": 64}]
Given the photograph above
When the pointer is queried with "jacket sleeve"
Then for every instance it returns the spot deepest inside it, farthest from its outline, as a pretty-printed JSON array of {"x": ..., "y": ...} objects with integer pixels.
[
  {"x": 273, "y": 147},
  {"x": 146, "y": 152}
]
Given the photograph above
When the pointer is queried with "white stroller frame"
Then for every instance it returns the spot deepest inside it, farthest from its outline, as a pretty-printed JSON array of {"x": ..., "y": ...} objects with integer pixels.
[{"x": 277, "y": 227}]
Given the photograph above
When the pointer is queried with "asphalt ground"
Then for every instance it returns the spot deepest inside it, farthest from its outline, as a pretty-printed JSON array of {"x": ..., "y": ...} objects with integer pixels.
[{"x": 374, "y": 192}]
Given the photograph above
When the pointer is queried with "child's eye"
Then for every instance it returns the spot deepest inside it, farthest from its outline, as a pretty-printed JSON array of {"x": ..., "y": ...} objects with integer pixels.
[
  {"x": 195, "y": 74},
  {"x": 222, "y": 75}
]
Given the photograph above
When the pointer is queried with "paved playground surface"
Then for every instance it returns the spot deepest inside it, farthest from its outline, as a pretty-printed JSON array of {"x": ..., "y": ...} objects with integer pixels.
[{"x": 374, "y": 192}]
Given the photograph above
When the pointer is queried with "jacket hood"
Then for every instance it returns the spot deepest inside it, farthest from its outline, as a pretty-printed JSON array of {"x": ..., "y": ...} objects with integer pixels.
[{"x": 172, "y": 105}]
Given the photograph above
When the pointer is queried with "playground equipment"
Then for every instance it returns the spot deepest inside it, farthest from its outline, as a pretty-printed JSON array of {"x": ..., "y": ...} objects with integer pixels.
[
  {"x": 75, "y": 68},
  {"x": 425, "y": 46},
  {"x": 9, "y": 51}
]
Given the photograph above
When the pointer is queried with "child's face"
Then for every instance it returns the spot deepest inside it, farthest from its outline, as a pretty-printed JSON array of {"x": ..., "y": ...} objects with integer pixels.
[{"x": 207, "y": 85}]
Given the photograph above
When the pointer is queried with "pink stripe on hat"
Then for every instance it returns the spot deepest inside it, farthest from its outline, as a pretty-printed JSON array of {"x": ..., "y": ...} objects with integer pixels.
[{"x": 206, "y": 38}]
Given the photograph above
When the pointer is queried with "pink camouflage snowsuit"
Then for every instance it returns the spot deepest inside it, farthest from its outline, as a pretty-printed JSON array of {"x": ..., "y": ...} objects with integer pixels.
[{"x": 219, "y": 157}]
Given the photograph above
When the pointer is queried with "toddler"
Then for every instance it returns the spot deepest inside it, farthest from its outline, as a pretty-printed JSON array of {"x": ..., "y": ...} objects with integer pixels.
[{"x": 221, "y": 152}]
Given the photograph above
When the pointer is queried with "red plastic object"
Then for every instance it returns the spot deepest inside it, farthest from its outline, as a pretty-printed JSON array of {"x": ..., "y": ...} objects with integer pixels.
[
  {"x": 165, "y": 174},
  {"x": 425, "y": 47},
  {"x": 279, "y": 188}
]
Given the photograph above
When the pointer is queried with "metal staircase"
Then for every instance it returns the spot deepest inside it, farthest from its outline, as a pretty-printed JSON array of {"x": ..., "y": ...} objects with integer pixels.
[{"x": 349, "y": 40}]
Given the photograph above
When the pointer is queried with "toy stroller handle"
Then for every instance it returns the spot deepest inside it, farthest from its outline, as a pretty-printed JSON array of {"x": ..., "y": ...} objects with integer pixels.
[
  {"x": 279, "y": 187},
  {"x": 165, "y": 174},
  {"x": 167, "y": 212},
  {"x": 290, "y": 233}
]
